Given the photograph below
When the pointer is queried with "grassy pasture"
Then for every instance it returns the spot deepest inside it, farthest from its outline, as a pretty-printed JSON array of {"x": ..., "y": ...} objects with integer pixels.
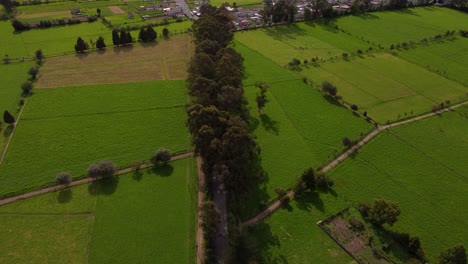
[
  {"x": 412, "y": 24},
  {"x": 49, "y": 11},
  {"x": 298, "y": 128},
  {"x": 67, "y": 129},
  {"x": 126, "y": 220},
  {"x": 447, "y": 57},
  {"x": 291, "y": 235},
  {"x": 164, "y": 60},
  {"x": 421, "y": 166},
  {"x": 239, "y": 3}
]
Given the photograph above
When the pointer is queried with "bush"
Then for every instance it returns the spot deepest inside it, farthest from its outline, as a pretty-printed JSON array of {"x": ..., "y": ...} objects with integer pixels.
[
  {"x": 280, "y": 192},
  {"x": 356, "y": 224},
  {"x": 63, "y": 178},
  {"x": 26, "y": 87},
  {"x": 354, "y": 107},
  {"x": 347, "y": 142},
  {"x": 162, "y": 155},
  {"x": 454, "y": 255},
  {"x": 294, "y": 62},
  {"x": 136, "y": 165},
  {"x": 105, "y": 169},
  {"x": 329, "y": 88}
]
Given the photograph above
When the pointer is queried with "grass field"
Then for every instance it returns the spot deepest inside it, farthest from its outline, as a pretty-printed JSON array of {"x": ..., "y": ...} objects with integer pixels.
[
  {"x": 164, "y": 60},
  {"x": 130, "y": 219},
  {"x": 412, "y": 24},
  {"x": 298, "y": 128},
  {"x": 49, "y": 11},
  {"x": 67, "y": 129},
  {"x": 447, "y": 57},
  {"x": 238, "y": 3},
  {"x": 387, "y": 87},
  {"x": 422, "y": 166}
]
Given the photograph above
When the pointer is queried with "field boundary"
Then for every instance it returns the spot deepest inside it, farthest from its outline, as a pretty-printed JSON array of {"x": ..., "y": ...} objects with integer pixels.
[
  {"x": 290, "y": 194},
  {"x": 82, "y": 181},
  {"x": 201, "y": 198}
]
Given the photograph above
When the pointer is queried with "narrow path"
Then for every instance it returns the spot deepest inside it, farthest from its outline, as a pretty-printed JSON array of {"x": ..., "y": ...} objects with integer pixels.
[
  {"x": 201, "y": 199},
  {"x": 80, "y": 181},
  {"x": 277, "y": 204}
]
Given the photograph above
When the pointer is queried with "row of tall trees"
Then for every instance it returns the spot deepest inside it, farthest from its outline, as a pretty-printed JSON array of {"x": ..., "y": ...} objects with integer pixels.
[
  {"x": 218, "y": 121},
  {"x": 121, "y": 37}
]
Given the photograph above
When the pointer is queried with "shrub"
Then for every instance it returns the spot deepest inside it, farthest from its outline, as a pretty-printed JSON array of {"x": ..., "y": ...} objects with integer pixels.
[
  {"x": 294, "y": 62},
  {"x": 347, "y": 142},
  {"x": 383, "y": 212},
  {"x": 280, "y": 192},
  {"x": 105, "y": 169},
  {"x": 345, "y": 55},
  {"x": 8, "y": 118},
  {"x": 26, "y": 87},
  {"x": 162, "y": 155},
  {"x": 356, "y": 224},
  {"x": 63, "y": 178},
  {"x": 354, "y": 107},
  {"x": 33, "y": 71},
  {"x": 363, "y": 208},
  {"x": 136, "y": 165},
  {"x": 454, "y": 255},
  {"x": 329, "y": 88}
]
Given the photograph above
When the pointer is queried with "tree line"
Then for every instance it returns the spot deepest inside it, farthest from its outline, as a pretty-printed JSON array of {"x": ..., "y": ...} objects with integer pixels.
[{"x": 218, "y": 120}]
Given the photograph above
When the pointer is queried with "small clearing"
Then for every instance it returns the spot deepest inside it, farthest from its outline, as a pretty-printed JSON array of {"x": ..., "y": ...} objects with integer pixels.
[{"x": 116, "y": 10}]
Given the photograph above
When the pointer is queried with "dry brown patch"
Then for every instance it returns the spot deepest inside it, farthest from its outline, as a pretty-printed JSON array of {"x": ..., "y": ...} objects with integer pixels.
[
  {"x": 165, "y": 60},
  {"x": 116, "y": 10}
]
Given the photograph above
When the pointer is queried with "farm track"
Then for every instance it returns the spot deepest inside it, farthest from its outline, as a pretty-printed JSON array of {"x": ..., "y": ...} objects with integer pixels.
[
  {"x": 277, "y": 204},
  {"x": 81, "y": 181}
]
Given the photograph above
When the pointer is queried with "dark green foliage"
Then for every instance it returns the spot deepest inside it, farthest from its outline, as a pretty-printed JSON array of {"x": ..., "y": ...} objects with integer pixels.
[
  {"x": 9, "y": 5},
  {"x": 81, "y": 45},
  {"x": 98, "y": 11},
  {"x": 33, "y": 71},
  {"x": 347, "y": 142},
  {"x": 354, "y": 107},
  {"x": 308, "y": 14},
  {"x": 63, "y": 178},
  {"x": 165, "y": 32},
  {"x": 151, "y": 35},
  {"x": 39, "y": 55},
  {"x": 308, "y": 178},
  {"x": 103, "y": 169},
  {"x": 322, "y": 182},
  {"x": 329, "y": 88},
  {"x": 18, "y": 25},
  {"x": 26, "y": 87},
  {"x": 125, "y": 37},
  {"x": 142, "y": 36},
  {"x": 115, "y": 37},
  {"x": 8, "y": 118},
  {"x": 454, "y": 255},
  {"x": 464, "y": 33},
  {"x": 100, "y": 44},
  {"x": 281, "y": 11},
  {"x": 294, "y": 62},
  {"x": 210, "y": 219},
  {"x": 356, "y": 224},
  {"x": 383, "y": 212},
  {"x": 162, "y": 156}
]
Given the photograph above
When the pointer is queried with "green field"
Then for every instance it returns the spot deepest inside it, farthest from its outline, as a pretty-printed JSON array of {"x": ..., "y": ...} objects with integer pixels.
[
  {"x": 387, "y": 87},
  {"x": 67, "y": 129},
  {"x": 298, "y": 128},
  {"x": 422, "y": 166},
  {"x": 238, "y": 3},
  {"x": 129, "y": 219},
  {"x": 448, "y": 58},
  {"x": 411, "y": 24}
]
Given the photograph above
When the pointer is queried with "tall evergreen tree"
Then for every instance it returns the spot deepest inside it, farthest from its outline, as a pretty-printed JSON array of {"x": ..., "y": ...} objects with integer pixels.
[
  {"x": 100, "y": 44},
  {"x": 81, "y": 45},
  {"x": 150, "y": 33},
  {"x": 142, "y": 36},
  {"x": 115, "y": 37}
]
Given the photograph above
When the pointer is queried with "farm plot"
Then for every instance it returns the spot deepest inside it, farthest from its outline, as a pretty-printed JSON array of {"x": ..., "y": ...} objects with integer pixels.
[
  {"x": 298, "y": 127},
  {"x": 67, "y": 129},
  {"x": 56, "y": 10},
  {"x": 238, "y": 3},
  {"x": 412, "y": 24},
  {"x": 448, "y": 58},
  {"x": 165, "y": 60},
  {"x": 127, "y": 219},
  {"x": 422, "y": 166}
]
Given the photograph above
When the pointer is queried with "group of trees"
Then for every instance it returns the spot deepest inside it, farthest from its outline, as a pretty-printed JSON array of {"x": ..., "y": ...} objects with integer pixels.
[
  {"x": 81, "y": 45},
  {"x": 281, "y": 11},
  {"x": 218, "y": 116},
  {"x": 311, "y": 181},
  {"x": 147, "y": 34},
  {"x": 121, "y": 37}
]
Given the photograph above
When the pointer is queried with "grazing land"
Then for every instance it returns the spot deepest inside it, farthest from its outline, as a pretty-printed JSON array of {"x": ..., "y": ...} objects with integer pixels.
[
  {"x": 421, "y": 166},
  {"x": 386, "y": 87},
  {"x": 238, "y": 3},
  {"x": 68, "y": 129},
  {"x": 165, "y": 60},
  {"x": 298, "y": 128},
  {"x": 117, "y": 220}
]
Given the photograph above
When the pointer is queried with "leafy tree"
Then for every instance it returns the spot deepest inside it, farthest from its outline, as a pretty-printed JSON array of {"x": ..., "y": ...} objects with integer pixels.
[
  {"x": 454, "y": 255},
  {"x": 105, "y": 169},
  {"x": 383, "y": 212},
  {"x": 18, "y": 25},
  {"x": 329, "y": 88},
  {"x": 308, "y": 14},
  {"x": 81, "y": 45},
  {"x": 165, "y": 32},
  {"x": 261, "y": 97},
  {"x": 98, "y": 11},
  {"x": 39, "y": 55},
  {"x": 100, "y": 44},
  {"x": 33, "y": 71},
  {"x": 63, "y": 178},
  {"x": 308, "y": 178},
  {"x": 162, "y": 156},
  {"x": 8, "y": 118},
  {"x": 125, "y": 37},
  {"x": 142, "y": 36},
  {"x": 354, "y": 107},
  {"x": 150, "y": 33},
  {"x": 115, "y": 37},
  {"x": 26, "y": 87}
]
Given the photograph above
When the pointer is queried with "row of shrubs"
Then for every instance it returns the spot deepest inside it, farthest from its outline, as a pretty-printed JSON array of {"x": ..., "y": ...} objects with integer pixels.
[
  {"x": 20, "y": 26},
  {"x": 107, "y": 169}
]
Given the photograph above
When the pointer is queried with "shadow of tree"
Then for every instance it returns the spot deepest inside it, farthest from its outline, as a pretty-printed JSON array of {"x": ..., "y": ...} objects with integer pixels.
[
  {"x": 137, "y": 175},
  {"x": 163, "y": 171},
  {"x": 259, "y": 241},
  {"x": 307, "y": 199},
  {"x": 268, "y": 124},
  {"x": 8, "y": 130},
  {"x": 64, "y": 196},
  {"x": 105, "y": 186}
]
